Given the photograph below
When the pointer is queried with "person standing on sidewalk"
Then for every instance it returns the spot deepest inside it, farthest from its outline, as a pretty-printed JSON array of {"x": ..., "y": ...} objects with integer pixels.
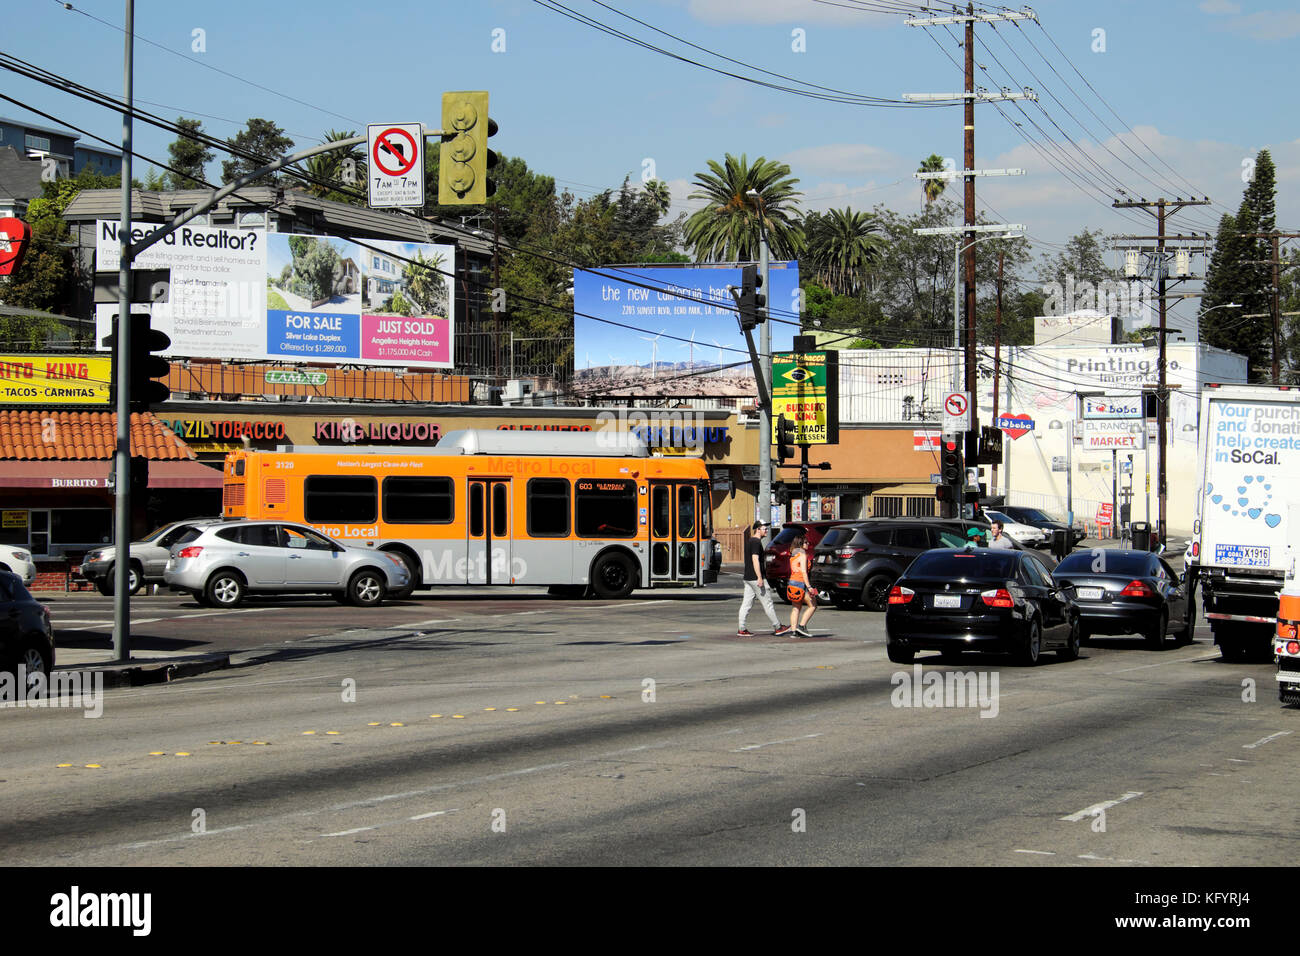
[
  {"x": 1000, "y": 539},
  {"x": 756, "y": 582},
  {"x": 800, "y": 591}
]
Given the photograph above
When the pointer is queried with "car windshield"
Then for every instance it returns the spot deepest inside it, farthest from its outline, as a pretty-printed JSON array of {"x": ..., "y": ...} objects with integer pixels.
[
  {"x": 1033, "y": 514},
  {"x": 1105, "y": 561},
  {"x": 155, "y": 533},
  {"x": 952, "y": 565},
  {"x": 835, "y": 537},
  {"x": 786, "y": 535}
]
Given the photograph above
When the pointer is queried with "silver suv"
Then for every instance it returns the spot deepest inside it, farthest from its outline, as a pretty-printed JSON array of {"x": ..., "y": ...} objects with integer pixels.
[{"x": 220, "y": 563}]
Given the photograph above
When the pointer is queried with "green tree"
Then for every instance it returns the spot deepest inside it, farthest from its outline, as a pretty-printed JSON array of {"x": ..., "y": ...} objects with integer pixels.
[
  {"x": 426, "y": 287},
  {"x": 1236, "y": 273},
  {"x": 842, "y": 246},
  {"x": 932, "y": 189},
  {"x": 266, "y": 141},
  {"x": 727, "y": 228},
  {"x": 658, "y": 190},
  {"x": 187, "y": 156},
  {"x": 314, "y": 265}
]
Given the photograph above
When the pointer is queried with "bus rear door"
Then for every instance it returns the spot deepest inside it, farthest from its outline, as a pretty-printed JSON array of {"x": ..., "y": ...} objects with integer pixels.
[{"x": 489, "y": 531}]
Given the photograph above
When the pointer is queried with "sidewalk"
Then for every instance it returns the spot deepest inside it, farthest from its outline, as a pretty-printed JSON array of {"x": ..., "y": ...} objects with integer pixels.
[{"x": 143, "y": 667}]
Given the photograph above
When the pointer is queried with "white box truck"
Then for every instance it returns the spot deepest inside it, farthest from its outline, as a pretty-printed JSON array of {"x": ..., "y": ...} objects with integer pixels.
[{"x": 1249, "y": 450}]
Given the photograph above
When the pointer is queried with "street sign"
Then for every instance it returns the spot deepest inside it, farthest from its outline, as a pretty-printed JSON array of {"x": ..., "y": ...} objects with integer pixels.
[
  {"x": 1014, "y": 425},
  {"x": 956, "y": 412},
  {"x": 1058, "y": 463},
  {"x": 1105, "y": 514},
  {"x": 396, "y": 153}
]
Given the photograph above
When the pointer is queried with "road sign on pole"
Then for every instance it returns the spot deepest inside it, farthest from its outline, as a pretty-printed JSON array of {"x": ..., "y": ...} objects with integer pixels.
[
  {"x": 396, "y": 155},
  {"x": 956, "y": 412}
]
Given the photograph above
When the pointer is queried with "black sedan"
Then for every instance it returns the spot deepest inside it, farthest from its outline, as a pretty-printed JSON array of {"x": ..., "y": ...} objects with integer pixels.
[
  {"x": 980, "y": 599},
  {"x": 1121, "y": 591},
  {"x": 26, "y": 636}
]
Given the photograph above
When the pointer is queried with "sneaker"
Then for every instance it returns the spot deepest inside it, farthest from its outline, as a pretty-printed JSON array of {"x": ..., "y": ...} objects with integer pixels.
[
  {"x": 782, "y": 631},
  {"x": 743, "y": 632},
  {"x": 800, "y": 632}
]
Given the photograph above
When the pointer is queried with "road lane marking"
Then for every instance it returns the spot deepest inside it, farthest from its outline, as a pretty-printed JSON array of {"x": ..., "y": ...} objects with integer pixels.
[
  {"x": 1260, "y": 743},
  {"x": 1036, "y": 852},
  {"x": 772, "y": 743},
  {"x": 435, "y": 813},
  {"x": 348, "y": 832},
  {"x": 1096, "y": 808}
]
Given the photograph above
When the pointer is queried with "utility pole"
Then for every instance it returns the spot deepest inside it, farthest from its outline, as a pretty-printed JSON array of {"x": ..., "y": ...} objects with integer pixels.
[
  {"x": 969, "y": 96},
  {"x": 122, "y": 454},
  {"x": 997, "y": 363},
  {"x": 1163, "y": 210}
]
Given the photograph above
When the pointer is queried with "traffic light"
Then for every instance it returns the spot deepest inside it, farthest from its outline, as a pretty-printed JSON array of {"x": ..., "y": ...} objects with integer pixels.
[
  {"x": 143, "y": 390},
  {"x": 784, "y": 438},
  {"x": 753, "y": 304},
  {"x": 952, "y": 471},
  {"x": 464, "y": 158}
]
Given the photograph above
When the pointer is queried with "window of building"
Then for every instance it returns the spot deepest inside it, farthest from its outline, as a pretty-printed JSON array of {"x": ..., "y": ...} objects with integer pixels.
[
  {"x": 606, "y": 509},
  {"x": 920, "y": 507},
  {"x": 41, "y": 143},
  {"x": 548, "y": 507},
  {"x": 887, "y": 506},
  {"x": 340, "y": 498},
  {"x": 419, "y": 500}
]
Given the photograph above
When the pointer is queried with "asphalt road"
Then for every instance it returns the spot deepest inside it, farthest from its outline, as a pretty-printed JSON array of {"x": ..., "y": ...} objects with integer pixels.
[{"x": 523, "y": 730}]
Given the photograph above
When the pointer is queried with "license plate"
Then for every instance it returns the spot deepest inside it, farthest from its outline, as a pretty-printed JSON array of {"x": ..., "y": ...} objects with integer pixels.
[
  {"x": 821, "y": 559},
  {"x": 1090, "y": 594},
  {"x": 947, "y": 600}
]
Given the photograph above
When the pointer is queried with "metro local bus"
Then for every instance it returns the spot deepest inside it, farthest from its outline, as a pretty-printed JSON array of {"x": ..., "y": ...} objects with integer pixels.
[{"x": 568, "y": 511}]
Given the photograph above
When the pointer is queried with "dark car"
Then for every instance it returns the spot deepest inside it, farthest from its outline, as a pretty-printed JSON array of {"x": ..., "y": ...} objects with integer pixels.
[
  {"x": 26, "y": 635},
  {"x": 862, "y": 568},
  {"x": 980, "y": 599},
  {"x": 1122, "y": 591},
  {"x": 776, "y": 557},
  {"x": 1042, "y": 520}
]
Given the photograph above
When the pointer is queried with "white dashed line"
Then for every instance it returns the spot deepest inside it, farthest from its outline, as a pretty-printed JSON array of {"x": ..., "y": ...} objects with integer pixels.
[
  {"x": 1260, "y": 743},
  {"x": 1097, "y": 808}
]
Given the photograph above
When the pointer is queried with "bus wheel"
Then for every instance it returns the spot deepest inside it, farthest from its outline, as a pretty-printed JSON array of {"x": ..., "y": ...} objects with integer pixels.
[{"x": 613, "y": 576}]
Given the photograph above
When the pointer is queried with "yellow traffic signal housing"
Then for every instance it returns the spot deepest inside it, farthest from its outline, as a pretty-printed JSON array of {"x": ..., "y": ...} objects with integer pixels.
[{"x": 464, "y": 157}]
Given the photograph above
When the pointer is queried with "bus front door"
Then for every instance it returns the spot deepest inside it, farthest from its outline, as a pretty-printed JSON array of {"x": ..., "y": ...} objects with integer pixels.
[
  {"x": 489, "y": 531},
  {"x": 674, "y": 532}
]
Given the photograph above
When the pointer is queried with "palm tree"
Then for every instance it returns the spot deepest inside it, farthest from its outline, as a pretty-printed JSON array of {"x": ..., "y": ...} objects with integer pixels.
[
  {"x": 658, "y": 191},
  {"x": 932, "y": 188},
  {"x": 727, "y": 229},
  {"x": 843, "y": 245},
  {"x": 345, "y": 167}
]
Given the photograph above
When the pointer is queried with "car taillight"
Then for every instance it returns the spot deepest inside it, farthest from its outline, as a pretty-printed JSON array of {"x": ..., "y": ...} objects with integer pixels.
[
  {"x": 1136, "y": 589},
  {"x": 997, "y": 597},
  {"x": 190, "y": 552},
  {"x": 849, "y": 552},
  {"x": 899, "y": 595}
]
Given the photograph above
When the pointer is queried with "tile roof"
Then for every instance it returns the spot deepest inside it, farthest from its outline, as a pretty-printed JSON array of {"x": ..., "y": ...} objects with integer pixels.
[{"x": 85, "y": 435}]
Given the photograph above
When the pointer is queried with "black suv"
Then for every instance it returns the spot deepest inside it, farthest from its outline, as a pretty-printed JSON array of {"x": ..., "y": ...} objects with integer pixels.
[
  {"x": 862, "y": 568},
  {"x": 1043, "y": 521}
]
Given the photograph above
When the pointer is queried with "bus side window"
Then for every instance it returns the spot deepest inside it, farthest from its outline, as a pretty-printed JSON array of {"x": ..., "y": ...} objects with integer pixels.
[
  {"x": 548, "y": 507},
  {"x": 419, "y": 500},
  {"x": 329, "y": 498}
]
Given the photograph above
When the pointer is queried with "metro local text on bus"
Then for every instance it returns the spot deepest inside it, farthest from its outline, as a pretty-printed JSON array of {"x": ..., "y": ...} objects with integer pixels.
[{"x": 541, "y": 466}]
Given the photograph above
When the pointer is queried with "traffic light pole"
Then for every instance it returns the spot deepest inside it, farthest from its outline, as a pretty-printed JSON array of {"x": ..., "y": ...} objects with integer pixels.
[
  {"x": 122, "y": 454},
  {"x": 765, "y": 371}
]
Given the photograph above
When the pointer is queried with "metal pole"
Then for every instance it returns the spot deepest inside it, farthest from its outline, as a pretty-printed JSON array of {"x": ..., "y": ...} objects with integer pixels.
[
  {"x": 956, "y": 316},
  {"x": 1162, "y": 395},
  {"x": 1069, "y": 473},
  {"x": 1114, "y": 493},
  {"x": 765, "y": 369},
  {"x": 122, "y": 455}
]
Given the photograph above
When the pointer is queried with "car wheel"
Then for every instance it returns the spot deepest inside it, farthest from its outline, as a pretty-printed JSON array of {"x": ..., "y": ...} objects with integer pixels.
[
  {"x": 844, "y": 602},
  {"x": 105, "y": 587},
  {"x": 225, "y": 589},
  {"x": 1085, "y": 635},
  {"x": 1033, "y": 645},
  {"x": 33, "y": 656},
  {"x": 613, "y": 577},
  {"x": 413, "y": 573},
  {"x": 134, "y": 579},
  {"x": 875, "y": 593},
  {"x": 779, "y": 590},
  {"x": 899, "y": 655},
  {"x": 366, "y": 588},
  {"x": 1156, "y": 636},
  {"x": 1070, "y": 652},
  {"x": 201, "y": 598}
]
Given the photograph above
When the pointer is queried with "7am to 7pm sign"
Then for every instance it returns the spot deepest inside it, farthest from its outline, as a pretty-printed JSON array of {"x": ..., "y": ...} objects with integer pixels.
[{"x": 806, "y": 390}]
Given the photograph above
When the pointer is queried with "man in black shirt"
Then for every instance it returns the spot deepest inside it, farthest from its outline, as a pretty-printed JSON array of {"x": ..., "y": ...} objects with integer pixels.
[{"x": 756, "y": 582}]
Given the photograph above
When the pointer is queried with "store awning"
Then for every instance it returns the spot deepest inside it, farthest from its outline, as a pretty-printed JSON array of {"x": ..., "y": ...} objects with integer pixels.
[{"x": 95, "y": 474}]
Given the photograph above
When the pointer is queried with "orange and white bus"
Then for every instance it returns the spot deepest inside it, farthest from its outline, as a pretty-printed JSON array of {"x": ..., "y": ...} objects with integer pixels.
[{"x": 568, "y": 511}]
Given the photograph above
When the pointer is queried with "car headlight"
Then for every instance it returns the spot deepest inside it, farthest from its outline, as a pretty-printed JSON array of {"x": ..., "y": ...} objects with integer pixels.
[
  {"x": 22, "y": 556},
  {"x": 395, "y": 559}
]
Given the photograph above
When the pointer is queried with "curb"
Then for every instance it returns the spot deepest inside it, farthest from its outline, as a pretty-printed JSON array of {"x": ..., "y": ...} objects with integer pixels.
[{"x": 138, "y": 673}]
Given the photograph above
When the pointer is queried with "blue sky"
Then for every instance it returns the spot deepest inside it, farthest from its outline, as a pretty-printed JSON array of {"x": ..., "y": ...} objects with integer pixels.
[{"x": 1204, "y": 84}]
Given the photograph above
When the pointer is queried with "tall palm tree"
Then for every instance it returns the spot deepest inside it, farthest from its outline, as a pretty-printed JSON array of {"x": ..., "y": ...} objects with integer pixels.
[
  {"x": 932, "y": 188},
  {"x": 843, "y": 246},
  {"x": 331, "y": 168},
  {"x": 727, "y": 229}
]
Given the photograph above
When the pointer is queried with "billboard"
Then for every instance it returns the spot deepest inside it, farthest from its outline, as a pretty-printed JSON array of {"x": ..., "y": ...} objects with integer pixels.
[
  {"x": 45, "y": 380},
  {"x": 805, "y": 389},
  {"x": 246, "y": 294},
  {"x": 663, "y": 320}
]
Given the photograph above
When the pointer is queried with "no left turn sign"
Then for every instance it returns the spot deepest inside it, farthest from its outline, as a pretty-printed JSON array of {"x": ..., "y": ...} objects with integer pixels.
[
  {"x": 396, "y": 176},
  {"x": 956, "y": 411}
]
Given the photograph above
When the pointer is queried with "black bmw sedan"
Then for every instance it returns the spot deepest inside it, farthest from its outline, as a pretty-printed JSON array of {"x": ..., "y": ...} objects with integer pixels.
[
  {"x": 980, "y": 599},
  {"x": 1121, "y": 591}
]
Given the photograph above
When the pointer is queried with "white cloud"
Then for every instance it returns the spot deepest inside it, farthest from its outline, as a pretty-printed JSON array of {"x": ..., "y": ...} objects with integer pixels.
[
  {"x": 840, "y": 159},
  {"x": 785, "y": 11},
  {"x": 1266, "y": 25}
]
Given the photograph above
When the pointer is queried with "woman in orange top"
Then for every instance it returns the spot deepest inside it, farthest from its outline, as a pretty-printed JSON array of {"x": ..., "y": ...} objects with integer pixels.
[{"x": 799, "y": 591}]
